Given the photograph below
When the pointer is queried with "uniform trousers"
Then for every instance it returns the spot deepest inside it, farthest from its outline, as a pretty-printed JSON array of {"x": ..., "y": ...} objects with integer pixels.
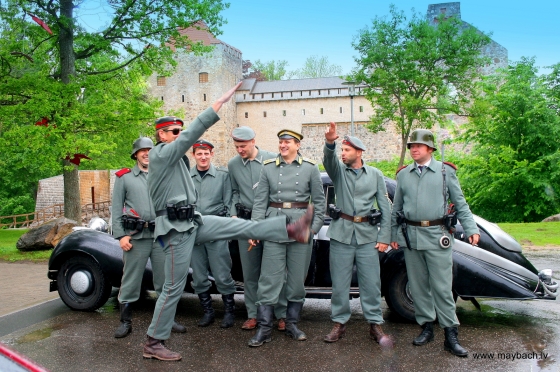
[
  {"x": 178, "y": 247},
  {"x": 279, "y": 261},
  {"x": 214, "y": 255},
  {"x": 251, "y": 265},
  {"x": 135, "y": 261},
  {"x": 430, "y": 277},
  {"x": 342, "y": 257}
]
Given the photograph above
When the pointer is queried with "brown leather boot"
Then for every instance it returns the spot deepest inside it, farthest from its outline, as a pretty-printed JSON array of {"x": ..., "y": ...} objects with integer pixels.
[
  {"x": 338, "y": 332},
  {"x": 281, "y": 324},
  {"x": 154, "y": 348},
  {"x": 381, "y": 338},
  {"x": 250, "y": 323},
  {"x": 300, "y": 231}
]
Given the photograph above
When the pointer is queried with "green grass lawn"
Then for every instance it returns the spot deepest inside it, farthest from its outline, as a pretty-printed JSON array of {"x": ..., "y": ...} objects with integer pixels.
[
  {"x": 9, "y": 252},
  {"x": 538, "y": 234}
]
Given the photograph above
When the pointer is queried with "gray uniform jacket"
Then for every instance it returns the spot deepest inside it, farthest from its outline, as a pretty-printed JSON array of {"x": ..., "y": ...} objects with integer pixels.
[
  {"x": 280, "y": 182},
  {"x": 214, "y": 190},
  {"x": 130, "y": 194},
  {"x": 420, "y": 196},
  {"x": 170, "y": 180},
  {"x": 356, "y": 195},
  {"x": 244, "y": 175}
]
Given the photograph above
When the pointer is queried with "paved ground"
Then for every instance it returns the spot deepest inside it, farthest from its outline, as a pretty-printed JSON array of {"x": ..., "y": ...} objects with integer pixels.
[{"x": 23, "y": 285}]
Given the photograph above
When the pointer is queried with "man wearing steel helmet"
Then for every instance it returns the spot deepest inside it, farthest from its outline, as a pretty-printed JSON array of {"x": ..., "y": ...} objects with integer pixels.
[
  {"x": 354, "y": 234},
  {"x": 179, "y": 227},
  {"x": 130, "y": 206},
  {"x": 419, "y": 196},
  {"x": 245, "y": 170}
]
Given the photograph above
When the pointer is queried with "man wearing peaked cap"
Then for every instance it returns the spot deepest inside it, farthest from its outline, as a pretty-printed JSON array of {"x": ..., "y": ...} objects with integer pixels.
[
  {"x": 179, "y": 227},
  {"x": 354, "y": 234},
  {"x": 286, "y": 187},
  {"x": 244, "y": 171}
]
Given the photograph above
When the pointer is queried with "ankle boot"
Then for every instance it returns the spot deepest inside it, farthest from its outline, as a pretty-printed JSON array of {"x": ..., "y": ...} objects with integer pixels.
[
  {"x": 126, "y": 321},
  {"x": 178, "y": 328},
  {"x": 427, "y": 334},
  {"x": 300, "y": 231},
  {"x": 156, "y": 349},
  {"x": 206, "y": 303},
  {"x": 292, "y": 317},
  {"x": 338, "y": 331},
  {"x": 229, "y": 306},
  {"x": 264, "y": 322},
  {"x": 376, "y": 332},
  {"x": 451, "y": 342}
]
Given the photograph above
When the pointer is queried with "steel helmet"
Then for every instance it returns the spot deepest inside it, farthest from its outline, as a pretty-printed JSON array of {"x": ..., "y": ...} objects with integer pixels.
[
  {"x": 139, "y": 144},
  {"x": 422, "y": 136}
]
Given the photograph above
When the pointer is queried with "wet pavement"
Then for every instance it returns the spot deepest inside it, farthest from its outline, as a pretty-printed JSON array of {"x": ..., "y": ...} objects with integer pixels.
[{"x": 507, "y": 332}]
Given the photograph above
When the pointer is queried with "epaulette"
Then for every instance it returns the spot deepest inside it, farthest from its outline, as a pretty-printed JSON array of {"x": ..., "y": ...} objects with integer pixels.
[
  {"x": 310, "y": 161},
  {"x": 222, "y": 169},
  {"x": 401, "y": 168},
  {"x": 122, "y": 172},
  {"x": 451, "y": 165},
  {"x": 269, "y": 161}
]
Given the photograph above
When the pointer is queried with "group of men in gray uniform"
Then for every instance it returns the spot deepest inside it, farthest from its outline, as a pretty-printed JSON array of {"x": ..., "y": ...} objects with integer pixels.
[{"x": 276, "y": 204}]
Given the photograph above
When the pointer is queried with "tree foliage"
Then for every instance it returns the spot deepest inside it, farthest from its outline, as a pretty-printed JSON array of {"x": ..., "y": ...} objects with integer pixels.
[
  {"x": 513, "y": 174},
  {"x": 87, "y": 88},
  {"x": 317, "y": 67},
  {"x": 271, "y": 70},
  {"x": 417, "y": 72}
]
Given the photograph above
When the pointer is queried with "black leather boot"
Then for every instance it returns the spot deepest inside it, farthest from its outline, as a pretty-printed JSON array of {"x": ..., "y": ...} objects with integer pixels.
[
  {"x": 126, "y": 321},
  {"x": 229, "y": 306},
  {"x": 265, "y": 314},
  {"x": 206, "y": 302},
  {"x": 451, "y": 342},
  {"x": 292, "y": 317},
  {"x": 427, "y": 334}
]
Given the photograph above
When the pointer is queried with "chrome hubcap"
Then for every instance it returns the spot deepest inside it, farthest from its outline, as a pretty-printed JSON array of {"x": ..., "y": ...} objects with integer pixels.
[{"x": 80, "y": 282}]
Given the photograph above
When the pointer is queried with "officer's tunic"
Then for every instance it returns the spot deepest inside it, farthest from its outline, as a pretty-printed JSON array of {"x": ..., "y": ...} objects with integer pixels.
[
  {"x": 357, "y": 193},
  {"x": 429, "y": 267},
  {"x": 280, "y": 182},
  {"x": 245, "y": 176},
  {"x": 130, "y": 197},
  {"x": 214, "y": 193},
  {"x": 170, "y": 183}
]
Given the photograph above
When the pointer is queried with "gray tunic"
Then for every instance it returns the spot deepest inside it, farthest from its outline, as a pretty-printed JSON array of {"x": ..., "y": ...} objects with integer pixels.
[{"x": 214, "y": 190}]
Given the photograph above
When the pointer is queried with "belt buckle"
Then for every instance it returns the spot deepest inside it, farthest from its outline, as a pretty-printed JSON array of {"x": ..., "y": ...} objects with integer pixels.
[
  {"x": 286, "y": 205},
  {"x": 357, "y": 219},
  {"x": 425, "y": 223}
]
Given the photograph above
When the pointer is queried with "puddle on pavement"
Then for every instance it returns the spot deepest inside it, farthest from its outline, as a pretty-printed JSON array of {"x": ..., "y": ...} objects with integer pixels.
[
  {"x": 38, "y": 335},
  {"x": 492, "y": 317}
]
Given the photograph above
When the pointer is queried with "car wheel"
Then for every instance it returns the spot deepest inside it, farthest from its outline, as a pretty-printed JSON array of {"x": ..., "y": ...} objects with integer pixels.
[
  {"x": 82, "y": 285},
  {"x": 398, "y": 296}
]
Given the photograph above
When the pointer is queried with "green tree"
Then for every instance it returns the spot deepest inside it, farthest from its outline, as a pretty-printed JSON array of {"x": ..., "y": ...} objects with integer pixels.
[
  {"x": 88, "y": 85},
  {"x": 513, "y": 174},
  {"x": 271, "y": 70},
  {"x": 417, "y": 72},
  {"x": 316, "y": 67}
]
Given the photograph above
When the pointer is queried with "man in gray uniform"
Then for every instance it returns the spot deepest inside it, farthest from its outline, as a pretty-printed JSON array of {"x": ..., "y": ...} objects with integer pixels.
[
  {"x": 214, "y": 198},
  {"x": 287, "y": 185},
  {"x": 133, "y": 224},
  {"x": 354, "y": 236},
  {"x": 179, "y": 227},
  {"x": 245, "y": 170},
  {"x": 421, "y": 201}
]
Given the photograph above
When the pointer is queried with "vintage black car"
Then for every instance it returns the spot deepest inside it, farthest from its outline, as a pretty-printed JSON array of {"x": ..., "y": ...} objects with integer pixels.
[{"x": 86, "y": 264}]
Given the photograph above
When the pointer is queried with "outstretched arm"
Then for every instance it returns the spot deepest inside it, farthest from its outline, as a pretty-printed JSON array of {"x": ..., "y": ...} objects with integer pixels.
[{"x": 226, "y": 97}]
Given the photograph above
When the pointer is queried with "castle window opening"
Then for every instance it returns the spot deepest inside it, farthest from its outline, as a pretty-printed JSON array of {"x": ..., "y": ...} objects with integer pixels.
[
  {"x": 310, "y": 93},
  {"x": 341, "y": 110},
  {"x": 262, "y": 95},
  {"x": 183, "y": 98},
  {"x": 301, "y": 93},
  {"x": 319, "y": 91},
  {"x": 281, "y": 94},
  {"x": 328, "y": 91},
  {"x": 253, "y": 96},
  {"x": 244, "y": 96},
  {"x": 205, "y": 96},
  {"x": 203, "y": 77},
  {"x": 338, "y": 90},
  {"x": 161, "y": 81},
  {"x": 361, "y": 108},
  {"x": 246, "y": 115},
  {"x": 303, "y": 111},
  {"x": 291, "y": 94},
  {"x": 264, "y": 114},
  {"x": 272, "y": 95},
  {"x": 162, "y": 98},
  {"x": 321, "y": 110},
  {"x": 283, "y": 112}
]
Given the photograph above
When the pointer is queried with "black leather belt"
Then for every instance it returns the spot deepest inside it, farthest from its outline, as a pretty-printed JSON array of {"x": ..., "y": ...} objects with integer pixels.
[
  {"x": 290, "y": 205},
  {"x": 425, "y": 223},
  {"x": 355, "y": 219},
  {"x": 163, "y": 212}
]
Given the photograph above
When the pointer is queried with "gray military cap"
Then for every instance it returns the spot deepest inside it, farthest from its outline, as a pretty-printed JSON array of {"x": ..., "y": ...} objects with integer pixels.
[
  {"x": 242, "y": 134},
  {"x": 354, "y": 142}
]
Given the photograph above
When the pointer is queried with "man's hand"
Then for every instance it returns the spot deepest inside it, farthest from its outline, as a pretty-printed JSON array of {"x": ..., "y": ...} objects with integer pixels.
[
  {"x": 474, "y": 238},
  {"x": 226, "y": 97},
  {"x": 381, "y": 247},
  {"x": 394, "y": 245},
  {"x": 330, "y": 134},
  {"x": 125, "y": 243},
  {"x": 252, "y": 243}
]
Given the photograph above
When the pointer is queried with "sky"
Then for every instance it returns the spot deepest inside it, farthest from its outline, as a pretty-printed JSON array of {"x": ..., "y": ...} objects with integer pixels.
[{"x": 293, "y": 30}]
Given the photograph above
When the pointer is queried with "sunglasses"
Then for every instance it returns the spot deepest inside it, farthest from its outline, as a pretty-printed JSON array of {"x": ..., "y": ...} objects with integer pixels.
[{"x": 175, "y": 131}]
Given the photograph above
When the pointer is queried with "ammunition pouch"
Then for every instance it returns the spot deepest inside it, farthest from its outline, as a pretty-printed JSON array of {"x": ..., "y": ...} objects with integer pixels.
[
  {"x": 334, "y": 212},
  {"x": 223, "y": 212},
  {"x": 181, "y": 213},
  {"x": 374, "y": 218},
  {"x": 450, "y": 220},
  {"x": 243, "y": 212},
  {"x": 137, "y": 224}
]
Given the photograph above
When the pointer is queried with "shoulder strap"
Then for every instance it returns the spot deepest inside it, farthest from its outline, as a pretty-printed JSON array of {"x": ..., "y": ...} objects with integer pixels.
[{"x": 122, "y": 172}]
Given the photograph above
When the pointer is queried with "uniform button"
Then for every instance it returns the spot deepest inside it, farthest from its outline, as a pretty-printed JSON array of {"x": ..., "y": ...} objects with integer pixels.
[
  {"x": 279, "y": 192},
  {"x": 297, "y": 183},
  {"x": 297, "y": 174},
  {"x": 296, "y": 192},
  {"x": 279, "y": 183},
  {"x": 280, "y": 173},
  {"x": 281, "y": 166}
]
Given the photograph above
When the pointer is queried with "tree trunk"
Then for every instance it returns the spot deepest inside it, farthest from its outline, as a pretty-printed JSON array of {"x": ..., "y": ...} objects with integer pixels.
[
  {"x": 403, "y": 151},
  {"x": 72, "y": 200}
]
